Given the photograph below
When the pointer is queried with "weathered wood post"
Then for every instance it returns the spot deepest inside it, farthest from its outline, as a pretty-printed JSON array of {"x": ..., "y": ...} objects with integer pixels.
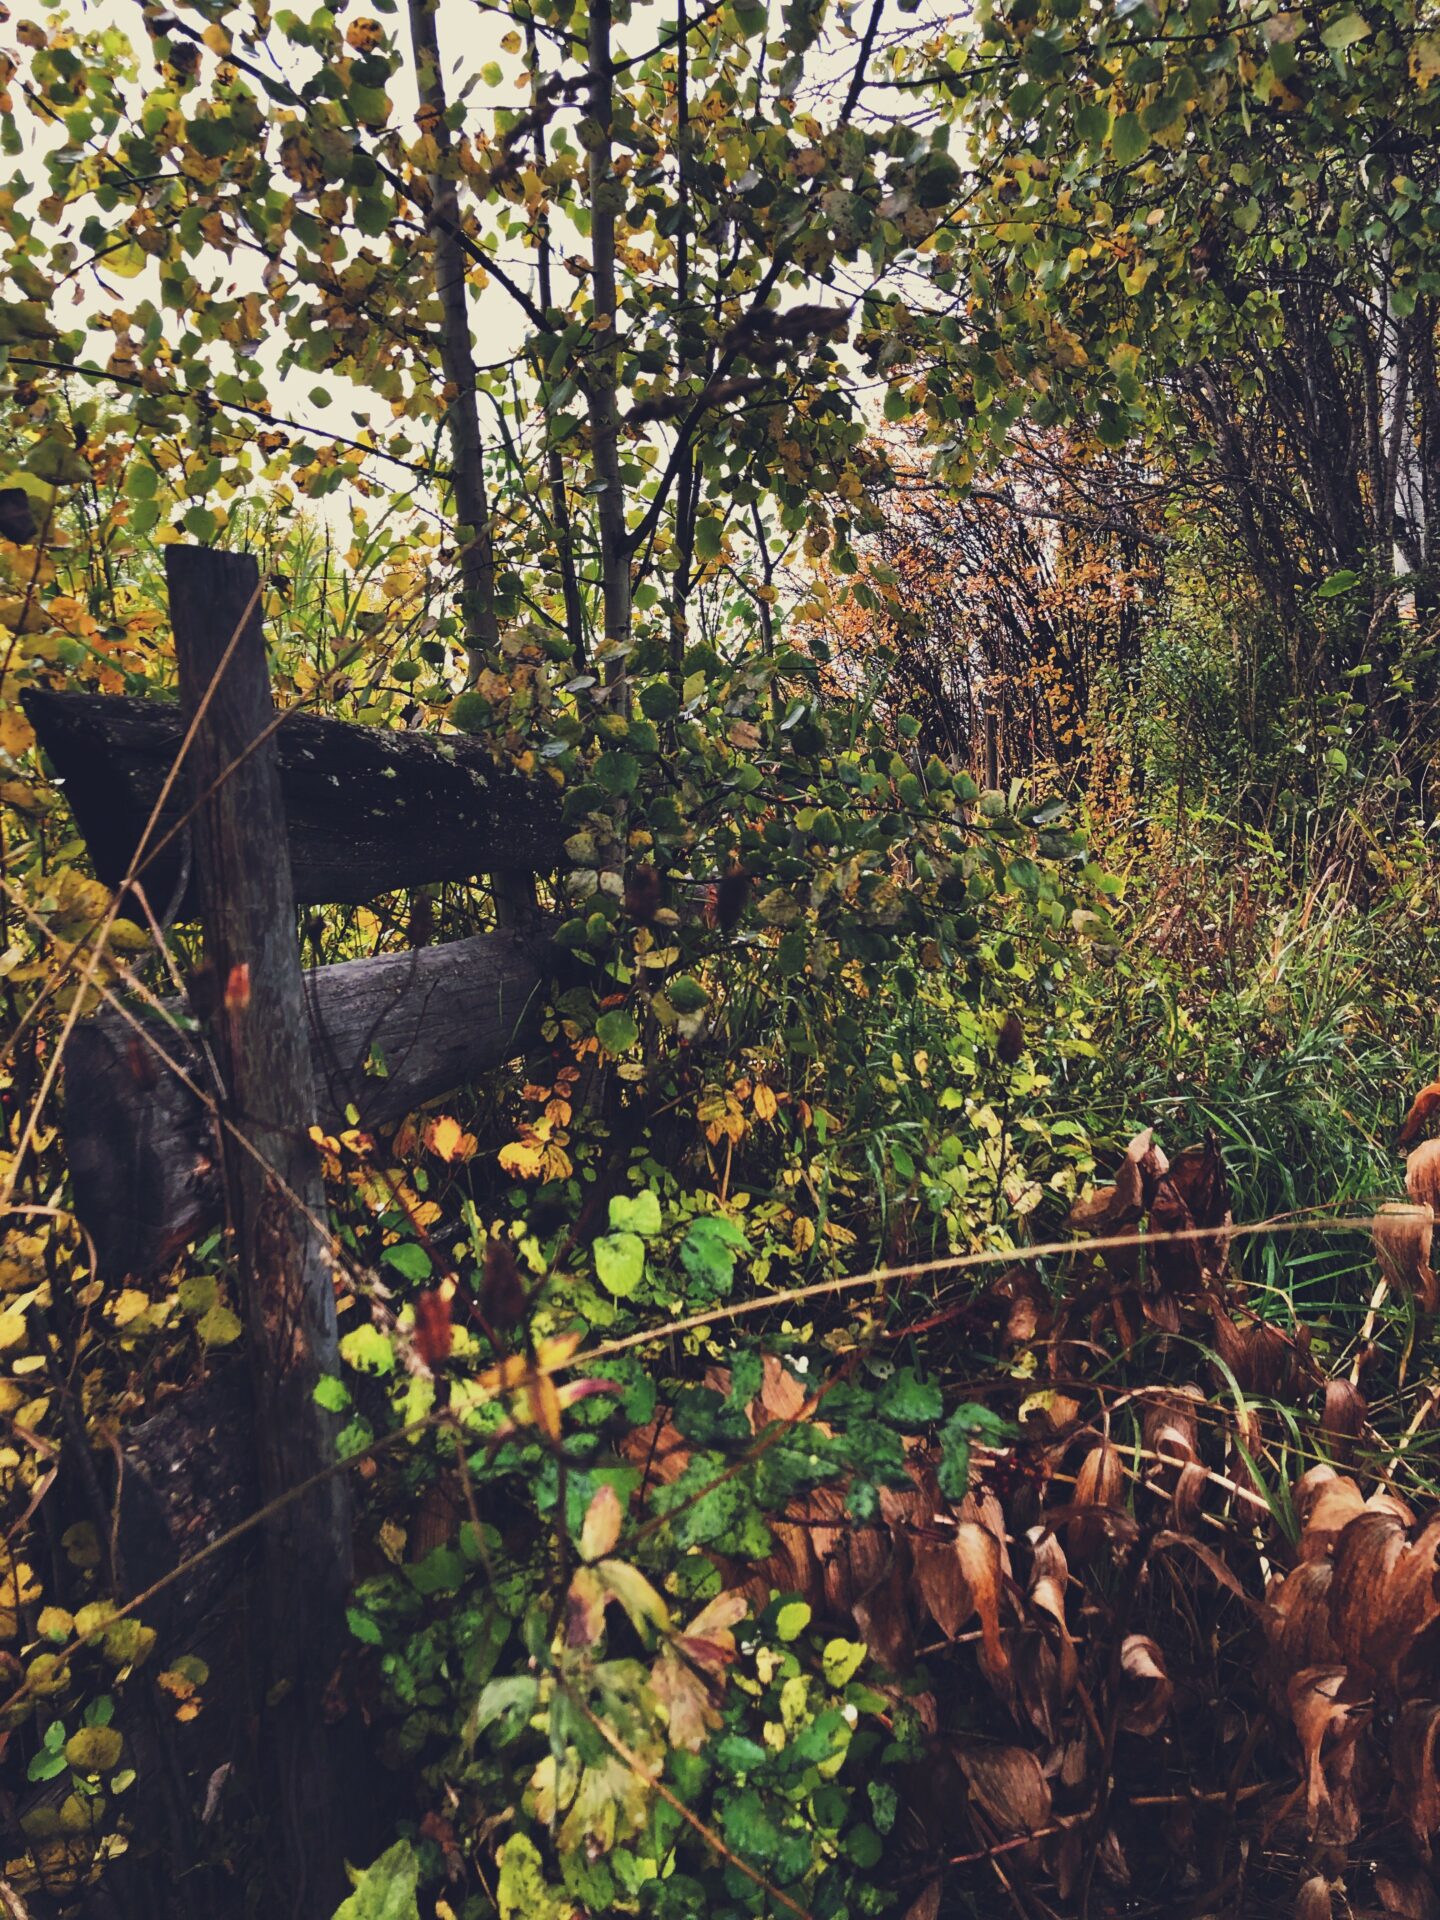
[{"x": 277, "y": 1198}]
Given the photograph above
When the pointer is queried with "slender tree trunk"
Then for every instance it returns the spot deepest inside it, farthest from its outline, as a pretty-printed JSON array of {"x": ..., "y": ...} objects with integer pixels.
[
  {"x": 554, "y": 461},
  {"x": 472, "y": 507},
  {"x": 685, "y": 489},
  {"x": 607, "y": 199},
  {"x": 514, "y": 894}
]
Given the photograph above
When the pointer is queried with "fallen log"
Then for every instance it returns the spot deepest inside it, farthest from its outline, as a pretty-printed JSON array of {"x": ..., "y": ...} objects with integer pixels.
[
  {"x": 367, "y": 809},
  {"x": 386, "y": 1035}
]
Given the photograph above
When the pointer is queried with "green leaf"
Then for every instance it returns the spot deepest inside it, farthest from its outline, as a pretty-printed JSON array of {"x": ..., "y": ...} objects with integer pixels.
[
  {"x": 363, "y": 1627},
  {"x": 1128, "y": 139},
  {"x": 507, "y": 1705},
  {"x": 219, "y": 1327},
  {"x": 332, "y": 1394},
  {"x": 368, "y": 1350},
  {"x": 1345, "y": 32},
  {"x": 620, "y": 1263},
  {"x": 617, "y": 772},
  {"x": 1336, "y": 584},
  {"x": 841, "y": 1661},
  {"x": 617, "y": 1031},
  {"x": 640, "y": 1214},
  {"x": 56, "y": 462},
  {"x": 792, "y": 1620},
  {"x": 686, "y": 994},
  {"x": 1092, "y": 123},
  {"x": 709, "y": 1249},
  {"x": 522, "y": 1893},
  {"x": 966, "y": 1424},
  {"x": 708, "y": 533},
  {"x": 907, "y": 1402},
  {"x": 198, "y": 1296},
  {"x": 387, "y": 1889},
  {"x": 410, "y": 1259}
]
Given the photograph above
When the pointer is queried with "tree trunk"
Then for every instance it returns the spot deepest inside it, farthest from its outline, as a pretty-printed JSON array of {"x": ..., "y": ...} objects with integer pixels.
[
  {"x": 607, "y": 199},
  {"x": 472, "y": 506}
]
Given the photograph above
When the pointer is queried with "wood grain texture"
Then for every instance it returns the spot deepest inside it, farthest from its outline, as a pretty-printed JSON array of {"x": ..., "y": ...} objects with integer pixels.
[
  {"x": 142, "y": 1147},
  {"x": 277, "y": 1200},
  {"x": 367, "y": 810}
]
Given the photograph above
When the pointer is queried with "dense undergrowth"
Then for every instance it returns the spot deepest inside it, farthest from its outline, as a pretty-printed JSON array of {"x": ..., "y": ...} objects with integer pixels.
[
  {"x": 750, "y": 1520},
  {"x": 917, "y": 1394}
]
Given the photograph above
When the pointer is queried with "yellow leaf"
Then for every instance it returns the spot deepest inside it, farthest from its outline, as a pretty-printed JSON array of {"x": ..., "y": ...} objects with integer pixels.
[
  {"x": 16, "y": 734},
  {"x": 94, "y": 1749},
  {"x": 445, "y": 1138},
  {"x": 766, "y": 1105},
  {"x": 1425, "y": 59},
  {"x": 523, "y": 1158}
]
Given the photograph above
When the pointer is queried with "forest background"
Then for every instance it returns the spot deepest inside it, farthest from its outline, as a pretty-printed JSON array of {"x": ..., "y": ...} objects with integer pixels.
[{"x": 912, "y": 1389}]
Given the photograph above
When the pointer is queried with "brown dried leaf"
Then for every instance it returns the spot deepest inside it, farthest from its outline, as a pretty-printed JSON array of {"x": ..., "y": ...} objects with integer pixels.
[
  {"x": 1422, "y": 1174},
  {"x": 1422, "y": 1110},
  {"x": 1208, "y": 1558},
  {"x": 1403, "y": 1236},
  {"x": 1300, "y": 1635},
  {"x": 689, "y": 1701},
  {"x": 884, "y": 1620},
  {"x": 1366, "y": 1554},
  {"x": 1007, "y": 1785},
  {"x": 1099, "y": 1483},
  {"x": 781, "y": 1394},
  {"x": 1344, "y": 1415},
  {"x": 1315, "y": 1705},
  {"x": 1193, "y": 1194},
  {"x": 1147, "y": 1687},
  {"x": 1327, "y": 1502},
  {"x": 658, "y": 1449},
  {"x": 1402, "y": 1633},
  {"x": 1415, "y": 1759},
  {"x": 1110, "y": 1861},
  {"x": 926, "y": 1905},
  {"x": 1170, "y": 1431},
  {"x": 851, "y": 1566},
  {"x": 1313, "y": 1900},
  {"x": 985, "y": 1510},
  {"x": 1110, "y": 1209},
  {"x": 1407, "y": 1891},
  {"x": 939, "y": 1580},
  {"x": 708, "y": 1640},
  {"x": 977, "y": 1553}
]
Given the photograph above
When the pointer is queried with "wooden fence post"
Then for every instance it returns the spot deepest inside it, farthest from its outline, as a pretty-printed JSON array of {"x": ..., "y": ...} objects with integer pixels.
[{"x": 277, "y": 1200}]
